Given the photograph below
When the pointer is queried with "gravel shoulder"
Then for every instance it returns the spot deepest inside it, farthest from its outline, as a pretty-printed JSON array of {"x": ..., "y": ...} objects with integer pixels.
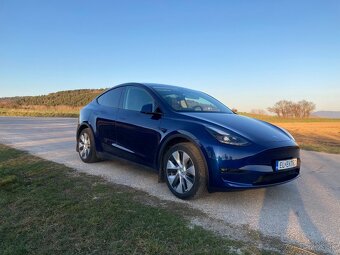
[{"x": 303, "y": 213}]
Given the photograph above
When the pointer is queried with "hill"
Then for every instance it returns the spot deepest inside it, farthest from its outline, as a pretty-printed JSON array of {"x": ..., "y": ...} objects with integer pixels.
[
  {"x": 327, "y": 114},
  {"x": 71, "y": 98}
]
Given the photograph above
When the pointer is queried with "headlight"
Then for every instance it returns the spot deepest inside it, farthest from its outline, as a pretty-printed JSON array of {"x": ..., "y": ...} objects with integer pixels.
[{"x": 227, "y": 137}]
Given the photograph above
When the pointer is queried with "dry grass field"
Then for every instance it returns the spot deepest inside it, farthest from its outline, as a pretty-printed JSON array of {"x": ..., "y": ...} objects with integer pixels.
[
  {"x": 41, "y": 111},
  {"x": 316, "y": 136}
]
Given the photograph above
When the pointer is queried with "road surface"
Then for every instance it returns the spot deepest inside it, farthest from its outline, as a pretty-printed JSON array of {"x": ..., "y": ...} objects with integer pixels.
[{"x": 305, "y": 212}]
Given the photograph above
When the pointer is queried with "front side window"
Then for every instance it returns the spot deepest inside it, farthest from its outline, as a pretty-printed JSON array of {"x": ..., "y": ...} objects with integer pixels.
[
  {"x": 110, "y": 98},
  {"x": 187, "y": 100},
  {"x": 136, "y": 98}
]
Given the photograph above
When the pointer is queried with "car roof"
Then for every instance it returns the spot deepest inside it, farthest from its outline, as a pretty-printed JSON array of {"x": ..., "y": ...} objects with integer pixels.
[{"x": 151, "y": 85}]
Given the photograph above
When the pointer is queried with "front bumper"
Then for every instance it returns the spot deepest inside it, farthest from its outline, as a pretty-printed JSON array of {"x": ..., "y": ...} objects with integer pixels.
[{"x": 246, "y": 168}]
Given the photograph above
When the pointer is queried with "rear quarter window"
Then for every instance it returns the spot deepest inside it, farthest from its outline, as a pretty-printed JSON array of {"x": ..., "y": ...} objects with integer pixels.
[{"x": 110, "y": 98}]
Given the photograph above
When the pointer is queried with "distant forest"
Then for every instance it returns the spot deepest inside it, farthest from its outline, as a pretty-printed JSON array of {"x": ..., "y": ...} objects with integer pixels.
[{"x": 73, "y": 98}]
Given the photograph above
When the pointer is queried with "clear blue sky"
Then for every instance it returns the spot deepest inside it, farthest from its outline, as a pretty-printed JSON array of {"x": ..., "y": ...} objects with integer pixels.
[{"x": 248, "y": 54}]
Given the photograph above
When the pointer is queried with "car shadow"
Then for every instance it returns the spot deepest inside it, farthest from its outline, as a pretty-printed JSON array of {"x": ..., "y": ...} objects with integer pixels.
[{"x": 290, "y": 215}]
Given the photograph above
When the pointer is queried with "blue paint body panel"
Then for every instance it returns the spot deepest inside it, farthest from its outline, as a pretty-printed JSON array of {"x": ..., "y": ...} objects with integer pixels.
[{"x": 142, "y": 138}]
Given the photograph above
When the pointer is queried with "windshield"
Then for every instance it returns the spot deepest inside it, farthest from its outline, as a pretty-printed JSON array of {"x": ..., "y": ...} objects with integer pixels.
[{"x": 187, "y": 100}]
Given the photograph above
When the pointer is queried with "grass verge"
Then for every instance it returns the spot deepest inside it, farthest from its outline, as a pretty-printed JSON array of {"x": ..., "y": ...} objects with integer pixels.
[{"x": 47, "y": 208}]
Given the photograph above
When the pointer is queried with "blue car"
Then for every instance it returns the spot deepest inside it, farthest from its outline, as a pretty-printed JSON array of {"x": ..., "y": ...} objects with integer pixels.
[{"x": 192, "y": 140}]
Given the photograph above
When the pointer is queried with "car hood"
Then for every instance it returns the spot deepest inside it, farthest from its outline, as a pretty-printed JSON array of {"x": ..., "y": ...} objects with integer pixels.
[{"x": 252, "y": 129}]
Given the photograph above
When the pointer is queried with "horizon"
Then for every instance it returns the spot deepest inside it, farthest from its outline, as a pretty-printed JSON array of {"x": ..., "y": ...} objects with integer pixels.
[
  {"x": 248, "y": 55},
  {"x": 265, "y": 109}
]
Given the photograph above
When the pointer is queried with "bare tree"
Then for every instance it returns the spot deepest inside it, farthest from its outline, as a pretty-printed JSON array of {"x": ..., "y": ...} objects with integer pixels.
[
  {"x": 306, "y": 108},
  {"x": 281, "y": 108},
  {"x": 285, "y": 109},
  {"x": 296, "y": 110},
  {"x": 276, "y": 109}
]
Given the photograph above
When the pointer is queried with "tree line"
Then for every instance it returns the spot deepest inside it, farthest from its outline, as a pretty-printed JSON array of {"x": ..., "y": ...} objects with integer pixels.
[
  {"x": 289, "y": 109},
  {"x": 74, "y": 98}
]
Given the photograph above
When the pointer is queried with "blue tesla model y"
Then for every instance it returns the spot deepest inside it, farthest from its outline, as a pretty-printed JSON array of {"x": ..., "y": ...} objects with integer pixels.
[{"x": 192, "y": 140}]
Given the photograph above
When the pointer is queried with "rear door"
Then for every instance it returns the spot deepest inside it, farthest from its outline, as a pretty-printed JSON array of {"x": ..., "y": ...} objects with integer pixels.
[
  {"x": 138, "y": 134},
  {"x": 107, "y": 116}
]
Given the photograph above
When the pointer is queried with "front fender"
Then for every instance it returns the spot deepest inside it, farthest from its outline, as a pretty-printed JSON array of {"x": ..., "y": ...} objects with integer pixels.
[{"x": 173, "y": 138}]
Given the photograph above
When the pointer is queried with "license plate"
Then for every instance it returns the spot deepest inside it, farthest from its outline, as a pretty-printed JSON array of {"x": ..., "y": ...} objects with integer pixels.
[{"x": 286, "y": 164}]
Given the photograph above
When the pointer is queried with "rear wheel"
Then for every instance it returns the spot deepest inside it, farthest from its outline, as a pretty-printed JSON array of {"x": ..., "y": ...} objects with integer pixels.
[
  {"x": 86, "y": 146},
  {"x": 185, "y": 171}
]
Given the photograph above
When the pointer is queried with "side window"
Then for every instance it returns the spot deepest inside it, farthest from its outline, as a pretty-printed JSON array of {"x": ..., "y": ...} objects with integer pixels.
[
  {"x": 136, "y": 98},
  {"x": 110, "y": 98}
]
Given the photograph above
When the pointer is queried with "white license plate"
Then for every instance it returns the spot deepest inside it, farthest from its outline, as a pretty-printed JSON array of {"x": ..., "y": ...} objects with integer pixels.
[{"x": 286, "y": 164}]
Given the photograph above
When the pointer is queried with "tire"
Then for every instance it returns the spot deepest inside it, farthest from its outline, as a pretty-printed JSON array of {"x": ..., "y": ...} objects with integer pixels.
[
  {"x": 185, "y": 171},
  {"x": 86, "y": 146}
]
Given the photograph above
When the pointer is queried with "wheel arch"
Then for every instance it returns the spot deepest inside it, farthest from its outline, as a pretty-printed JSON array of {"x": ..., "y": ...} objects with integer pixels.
[
  {"x": 81, "y": 127},
  {"x": 181, "y": 136}
]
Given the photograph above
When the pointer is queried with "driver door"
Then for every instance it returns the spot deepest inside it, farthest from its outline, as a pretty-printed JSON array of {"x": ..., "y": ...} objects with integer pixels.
[{"x": 138, "y": 134}]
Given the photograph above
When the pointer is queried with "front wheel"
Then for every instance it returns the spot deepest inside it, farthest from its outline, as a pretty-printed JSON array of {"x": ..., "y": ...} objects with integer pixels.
[{"x": 185, "y": 171}]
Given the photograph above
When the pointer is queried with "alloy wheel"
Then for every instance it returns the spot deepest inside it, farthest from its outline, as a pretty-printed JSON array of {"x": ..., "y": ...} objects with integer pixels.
[
  {"x": 180, "y": 172},
  {"x": 84, "y": 145}
]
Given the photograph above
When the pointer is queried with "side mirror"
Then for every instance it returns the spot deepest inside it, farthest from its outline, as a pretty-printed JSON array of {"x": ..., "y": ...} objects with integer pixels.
[{"x": 147, "y": 109}]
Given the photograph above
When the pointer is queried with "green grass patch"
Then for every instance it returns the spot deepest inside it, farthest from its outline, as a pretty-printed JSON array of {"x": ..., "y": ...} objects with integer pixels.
[
  {"x": 47, "y": 208},
  {"x": 6, "y": 180},
  {"x": 320, "y": 148}
]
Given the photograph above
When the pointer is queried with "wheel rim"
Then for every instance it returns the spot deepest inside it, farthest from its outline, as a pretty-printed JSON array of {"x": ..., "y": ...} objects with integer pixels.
[
  {"x": 180, "y": 172},
  {"x": 84, "y": 145}
]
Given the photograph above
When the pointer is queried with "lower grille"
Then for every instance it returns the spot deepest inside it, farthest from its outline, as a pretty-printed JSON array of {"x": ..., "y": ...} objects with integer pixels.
[{"x": 271, "y": 178}]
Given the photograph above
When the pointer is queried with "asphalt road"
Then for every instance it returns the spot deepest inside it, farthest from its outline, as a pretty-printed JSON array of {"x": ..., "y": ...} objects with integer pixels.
[{"x": 305, "y": 212}]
